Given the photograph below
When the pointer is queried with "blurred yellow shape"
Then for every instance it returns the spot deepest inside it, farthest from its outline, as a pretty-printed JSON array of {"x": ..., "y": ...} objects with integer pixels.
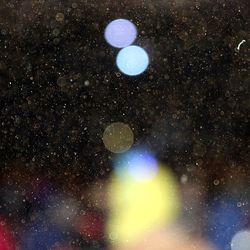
[
  {"x": 118, "y": 137},
  {"x": 140, "y": 206}
]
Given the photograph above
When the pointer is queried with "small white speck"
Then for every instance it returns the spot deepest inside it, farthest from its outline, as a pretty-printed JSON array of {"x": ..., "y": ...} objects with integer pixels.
[{"x": 86, "y": 83}]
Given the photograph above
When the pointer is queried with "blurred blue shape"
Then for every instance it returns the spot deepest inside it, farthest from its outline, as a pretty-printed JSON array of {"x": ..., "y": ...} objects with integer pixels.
[
  {"x": 41, "y": 236},
  {"x": 139, "y": 164},
  {"x": 224, "y": 220}
]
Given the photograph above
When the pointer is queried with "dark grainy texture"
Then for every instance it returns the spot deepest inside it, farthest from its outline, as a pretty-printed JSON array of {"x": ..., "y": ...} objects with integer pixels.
[{"x": 60, "y": 88}]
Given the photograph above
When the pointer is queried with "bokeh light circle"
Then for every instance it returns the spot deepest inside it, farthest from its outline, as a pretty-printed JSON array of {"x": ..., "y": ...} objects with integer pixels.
[
  {"x": 120, "y": 33},
  {"x": 118, "y": 137},
  {"x": 132, "y": 60},
  {"x": 241, "y": 241}
]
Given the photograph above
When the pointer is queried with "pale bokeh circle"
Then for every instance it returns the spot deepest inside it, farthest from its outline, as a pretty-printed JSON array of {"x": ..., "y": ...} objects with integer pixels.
[
  {"x": 118, "y": 137},
  {"x": 120, "y": 33},
  {"x": 241, "y": 241}
]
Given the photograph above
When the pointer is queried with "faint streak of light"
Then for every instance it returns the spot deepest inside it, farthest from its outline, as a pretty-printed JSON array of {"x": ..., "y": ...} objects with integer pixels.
[{"x": 238, "y": 47}]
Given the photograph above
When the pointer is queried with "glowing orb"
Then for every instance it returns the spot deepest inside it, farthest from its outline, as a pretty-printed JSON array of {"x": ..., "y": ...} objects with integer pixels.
[
  {"x": 241, "y": 241},
  {"x": 138, "y": 163},
  {"x": 118, "y": 137},
  {"x": 137, "y": 207},
  {"x": 120, "y": 33},
  {"x": 132, "y": 60}
]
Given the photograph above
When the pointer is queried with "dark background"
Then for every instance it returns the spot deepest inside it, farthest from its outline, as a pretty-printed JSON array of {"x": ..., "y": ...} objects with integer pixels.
[
  {"x": 60, "y": 88},
  {"x": 195, "y": 93}
]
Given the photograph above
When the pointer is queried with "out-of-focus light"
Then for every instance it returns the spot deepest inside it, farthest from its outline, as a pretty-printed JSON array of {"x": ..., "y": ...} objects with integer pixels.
[
  {"x": 41, "y": 235},
  {"x": 138, "y": 163},
  {"x": 132, "y": 60},
  {"x": 6, "y": 239},
  {"x": 118, "y": 137},
  {"x": 62, "y": 210},
  {"x": 167, "y": 238},
  {"x": 59, "y": 17},
  {"x": 225, "y": 219},
  {"x": 241, "y": 241},
  {"x": 64, "y": 246},
  {"x": 137, "y": 207},
  {"x": 91, "y": 225},
  {"x": 120, "y": 33}
]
